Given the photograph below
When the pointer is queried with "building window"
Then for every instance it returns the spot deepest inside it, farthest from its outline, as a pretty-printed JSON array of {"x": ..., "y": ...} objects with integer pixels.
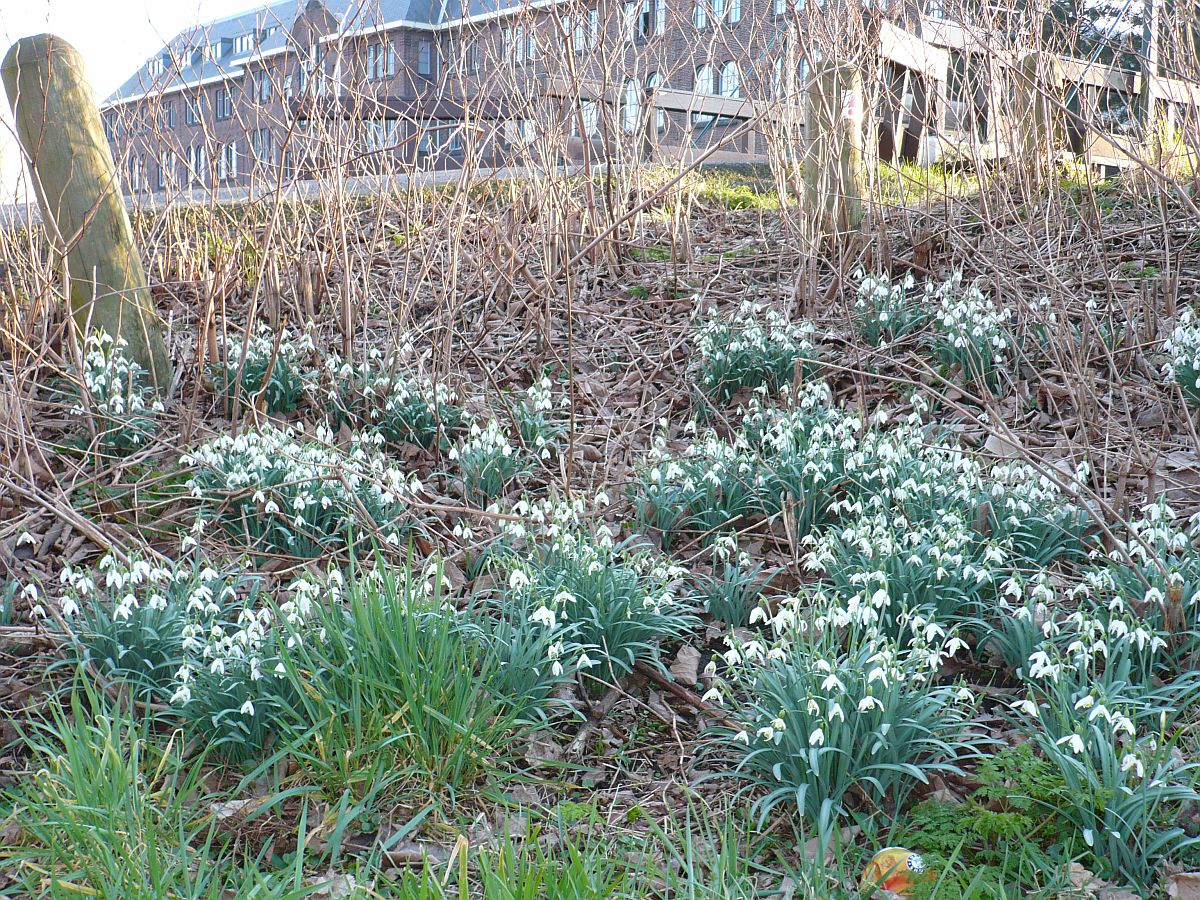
[
  {"x": 506, "y": 44},
  {"x": 223, "y": 104},
  {"x": 518, "y": 133},
  {"x": 198, "y": 163},
  {"x": 264, "y": 87},
  {"x": 380, "y": 134},
  {"x": 735, "y": 11},
  {"x": 654, "y": 80},
  {"x": 718, "y": 9},
  {"x": 781, "y": 7},
  {"x": 453, "y": 137},
  {"x": 700, "y": 14},
  {"x": 287, "y": 87},
  {"x": 591, "y": 117},
  {"x": 935, "y": 9},
  {"x": 705, "y": 80},
  {"x": 519, "y": 45},
  {"x": 227, "y": 162},
  {"x": 646, "y": 18},
  {"x": 243, "y": 43},
  {"x": 135, "y": 174},
  {"x": 731, "y": 80},
  {"x": 425, "y": 142},
  {"x": 631, "y": 108},
  {"x": 425, "y": 58},
  {"x": 263, "y": 145},
  {"x": 381, "y": 61},
  {"x": 531, "y": 46},
  {"x": 191, "y": 115}
]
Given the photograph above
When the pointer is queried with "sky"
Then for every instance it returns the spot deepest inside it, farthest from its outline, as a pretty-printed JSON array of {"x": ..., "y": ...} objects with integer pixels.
[{"x": 114, "y": 37}]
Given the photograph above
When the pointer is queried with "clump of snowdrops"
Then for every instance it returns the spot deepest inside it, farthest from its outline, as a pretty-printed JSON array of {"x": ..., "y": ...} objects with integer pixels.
[
  {"x": 755, "y": 347},
  {"x": 1184, "y": 348},
  {"x": 275, "y": 491},
  {"x": 271, "y": 364},
  {"x": 886, "y": 310},
  {"x": 603, "y": 605},
  {"x": 393, "y": 400},
  {"x": 970, "y": 332},
  {"x": 117, "y": 394},
  {"x": 195, "y": 637}
]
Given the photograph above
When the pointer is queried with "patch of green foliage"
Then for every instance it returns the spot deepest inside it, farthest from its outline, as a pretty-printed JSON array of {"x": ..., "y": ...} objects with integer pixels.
[{"x": 1005, "y": 832}]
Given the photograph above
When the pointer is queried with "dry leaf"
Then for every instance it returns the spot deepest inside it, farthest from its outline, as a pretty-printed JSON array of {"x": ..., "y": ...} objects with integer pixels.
[
  {"x": 1184, "y": 886},
  {"x": 686, "y": 668}
]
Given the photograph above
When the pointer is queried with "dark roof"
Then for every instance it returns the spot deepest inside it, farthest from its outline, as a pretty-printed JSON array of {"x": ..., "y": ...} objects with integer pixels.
[{"x": 183, "y": 66}]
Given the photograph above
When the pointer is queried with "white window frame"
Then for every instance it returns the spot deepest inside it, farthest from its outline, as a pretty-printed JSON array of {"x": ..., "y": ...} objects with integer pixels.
[
  {"x": 730, "y": 71},
  {"x": 425, "y": 58},
  {"x": 631, "y": 105},
  {"x": 655, "y": 80}
]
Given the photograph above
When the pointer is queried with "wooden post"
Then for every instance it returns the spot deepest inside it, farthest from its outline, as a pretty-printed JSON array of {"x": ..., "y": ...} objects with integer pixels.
[
  {"x": 1040, "y": 127},
  {"x": 1149, "y": 55},
  {"x": 58, "y": 125},
  {"x": 834, "y": 175}
]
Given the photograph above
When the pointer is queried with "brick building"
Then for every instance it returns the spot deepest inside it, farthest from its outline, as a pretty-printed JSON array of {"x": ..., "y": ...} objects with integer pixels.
[{"x": 288, "y": 90}]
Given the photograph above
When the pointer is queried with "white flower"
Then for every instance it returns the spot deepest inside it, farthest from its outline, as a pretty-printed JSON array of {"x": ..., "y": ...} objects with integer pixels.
[
  {"x": 247, "y": 708},
  {"x": 1026, "y": 706},
  {"x": 1131, "y": 762},
  {"x": 816, "y": 738},
  {"x": 1075, "y": 741}
]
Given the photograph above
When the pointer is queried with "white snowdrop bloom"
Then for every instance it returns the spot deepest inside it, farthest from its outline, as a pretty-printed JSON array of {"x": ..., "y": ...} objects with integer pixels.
[
  {"x": 1131, "y": 763},
  {"x": 1074, "y": 741},
  {"x": 832, "y": 683},
  {"x": 247, "y": 709},
  {"x": 816, "y": 738}
]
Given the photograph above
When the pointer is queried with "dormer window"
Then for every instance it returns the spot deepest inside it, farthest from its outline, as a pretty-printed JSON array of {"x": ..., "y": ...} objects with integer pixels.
[
  {"x": 243, "y": 43},
  {"x": 156, "y": 67}
]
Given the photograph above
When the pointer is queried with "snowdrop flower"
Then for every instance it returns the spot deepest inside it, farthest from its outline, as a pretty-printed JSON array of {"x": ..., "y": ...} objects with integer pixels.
[
  {"x": 1130, "y": 762},
  {"x": 1075, "y": 742},
  {"x": 1026, "y": 706}
]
